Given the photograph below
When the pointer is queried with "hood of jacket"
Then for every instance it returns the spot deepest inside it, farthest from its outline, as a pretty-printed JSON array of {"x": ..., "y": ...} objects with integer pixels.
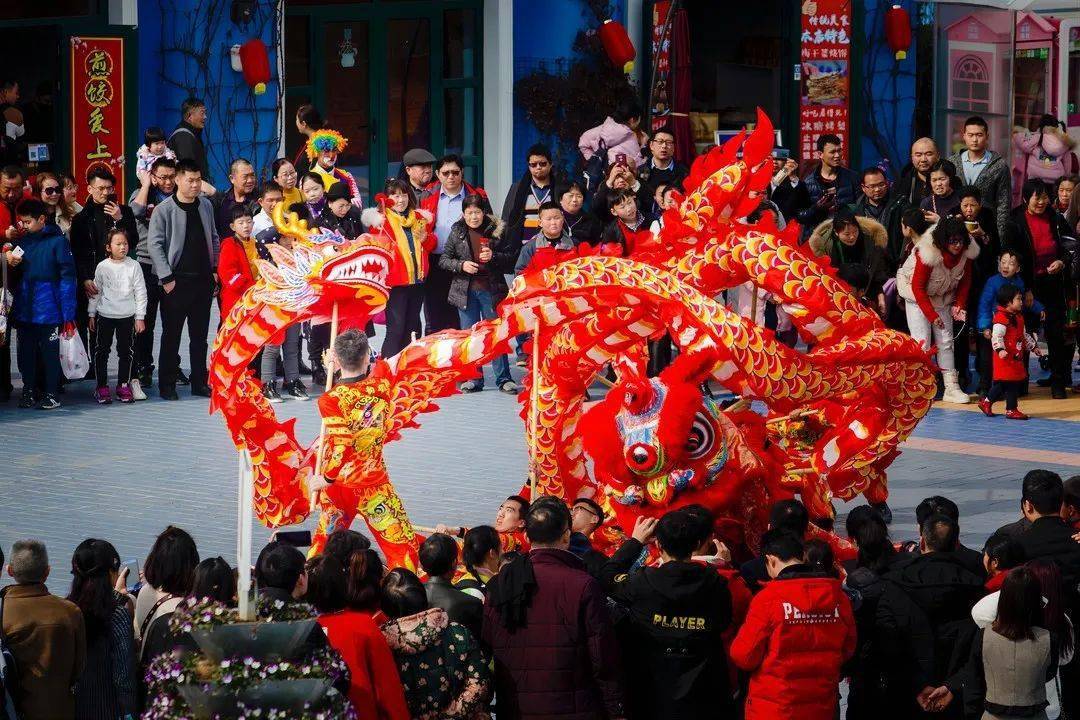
[
  {"x": 493, "y": 227},
  {"x": 46, "y": 233},
  {"x": 677, "y": 580},
  {"x": 614, "y": 133},
  {"x": 868, "y": 228},
  {"x": 930, "y": 254},
  {"x": 414, "y": 634}
]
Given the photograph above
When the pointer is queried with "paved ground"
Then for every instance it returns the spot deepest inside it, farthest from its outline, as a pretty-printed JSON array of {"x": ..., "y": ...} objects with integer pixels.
[{"x": 124, "y": 472}]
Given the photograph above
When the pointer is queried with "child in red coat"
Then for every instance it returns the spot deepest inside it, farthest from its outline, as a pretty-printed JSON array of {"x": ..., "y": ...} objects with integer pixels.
[
  {"x": 1009, "y": 342},
  {"x": 236, "y": 261}
]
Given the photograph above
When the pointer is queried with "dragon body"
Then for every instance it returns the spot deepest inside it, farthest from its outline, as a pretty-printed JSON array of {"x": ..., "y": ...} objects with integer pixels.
[{"x": 834, "y": 416}]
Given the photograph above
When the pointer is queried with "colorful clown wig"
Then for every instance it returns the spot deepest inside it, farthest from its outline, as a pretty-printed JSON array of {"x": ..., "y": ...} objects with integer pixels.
[{"x": 325, "y": 141}]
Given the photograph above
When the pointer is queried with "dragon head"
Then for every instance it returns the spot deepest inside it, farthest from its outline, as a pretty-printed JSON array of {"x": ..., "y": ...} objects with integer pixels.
[
  {"x": 655, "y": 440},
  {"x": 323, "y": 268}
]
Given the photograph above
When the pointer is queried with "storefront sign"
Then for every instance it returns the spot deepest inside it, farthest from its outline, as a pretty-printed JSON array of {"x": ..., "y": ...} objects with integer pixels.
[
  {"x": 661, "y": 54},
  {"x": 825, "y": 79},
  {"x": 97, "y": 108}
]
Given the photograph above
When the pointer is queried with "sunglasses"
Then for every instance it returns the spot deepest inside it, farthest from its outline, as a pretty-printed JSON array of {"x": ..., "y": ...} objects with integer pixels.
[
  {"x": 54, "y": 190},
  {"x": 449, "y": 173},
  {"x": 542, "y": 163}
]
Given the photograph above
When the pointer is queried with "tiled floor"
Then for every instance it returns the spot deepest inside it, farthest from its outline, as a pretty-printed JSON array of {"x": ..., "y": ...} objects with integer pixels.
[{"x": 124, "y": 472}]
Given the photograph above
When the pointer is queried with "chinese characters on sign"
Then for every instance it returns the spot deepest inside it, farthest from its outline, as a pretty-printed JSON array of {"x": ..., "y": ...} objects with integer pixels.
[
  {"x": 825, "y": 55},
  {"x": 97, "y": 108}
]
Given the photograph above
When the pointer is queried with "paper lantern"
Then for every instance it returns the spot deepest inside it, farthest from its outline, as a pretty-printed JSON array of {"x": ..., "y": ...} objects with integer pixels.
[
  {"x": 898, "y": 31},
  {"x": 617, "y": 44},
  {"x": 255, "y": 62}
]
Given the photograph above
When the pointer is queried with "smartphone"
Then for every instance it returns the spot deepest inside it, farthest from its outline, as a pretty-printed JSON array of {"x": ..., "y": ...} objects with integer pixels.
[
  {"x": 781, "y": 153},
  {"x": 132, "y": 566},
  {"x": 296, "y": 538},
  {"x": 17, "y": 251},
  {"x": 111, "y": 198},
  {"x": 620, "y": 159}
]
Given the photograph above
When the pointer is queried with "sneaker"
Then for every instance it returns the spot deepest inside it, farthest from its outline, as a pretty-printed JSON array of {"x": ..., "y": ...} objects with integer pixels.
[
  {"x": 181, "y": 378},
  {"x": 28, "y": 399},
  {"x": 103, "y": 396},
  {"x": 146, "y": 377},
  {"x": 168, "y": 392},
  {"x": 987, "y": 407},
  {"x": 318, "y": 378},
  {"x": 200, "y": 390},
  {"x": 124, "y": 394},
  {"x": 49, "y": 402},
  {"x": 270, "y": 392},
  {"x": 297, "y": 391},
  {"x": 136, "y": 389},
  {"x": 471, "y": 386},
  {"x": 509, "y": 387},
  {"x": 1016, "y": 415}
]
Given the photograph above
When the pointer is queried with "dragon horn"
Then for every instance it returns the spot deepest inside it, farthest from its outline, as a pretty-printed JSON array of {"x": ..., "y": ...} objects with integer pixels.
[
  {"x": 289, "y": 223},
  {"x": 760, "y": 143}
]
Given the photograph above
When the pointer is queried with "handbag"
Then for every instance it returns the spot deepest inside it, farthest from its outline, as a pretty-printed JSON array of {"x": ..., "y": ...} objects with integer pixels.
[{"x": 73, "y": 358}]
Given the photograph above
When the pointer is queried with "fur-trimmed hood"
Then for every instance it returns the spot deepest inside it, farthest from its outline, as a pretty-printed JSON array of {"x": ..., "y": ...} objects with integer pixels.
[
  {"x": 930, "y": 254},
  {"x": 493, "y": 227},
  {"x": 821, "y": 239}
]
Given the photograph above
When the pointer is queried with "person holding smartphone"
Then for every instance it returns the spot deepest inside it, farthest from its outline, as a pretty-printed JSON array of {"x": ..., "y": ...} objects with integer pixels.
[{"x": 101, "y": 214}]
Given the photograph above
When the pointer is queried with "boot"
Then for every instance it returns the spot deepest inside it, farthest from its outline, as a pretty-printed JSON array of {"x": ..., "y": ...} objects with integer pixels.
[{"x": 953, "y": 393}]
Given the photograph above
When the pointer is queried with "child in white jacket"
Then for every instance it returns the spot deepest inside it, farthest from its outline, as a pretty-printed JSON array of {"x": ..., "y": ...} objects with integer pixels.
[{"x": 118, "y": 308}]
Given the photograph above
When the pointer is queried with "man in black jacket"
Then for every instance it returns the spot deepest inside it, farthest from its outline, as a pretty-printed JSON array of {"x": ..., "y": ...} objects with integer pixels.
[
  {"x": 675, "y": 658},
  {"x": 1050, "y": 537},
  {"x": 438, "y": 558},
  {"x": 521, "y": 209},
  {"x": 89, "y": 228},
  {"x": 660, "y": 169},
  {"x": 972, "y": 560},
  {"x": 186, "y": 140},
  {"x": 945, "y": 590},
  {"x": 586, "y": 516}
]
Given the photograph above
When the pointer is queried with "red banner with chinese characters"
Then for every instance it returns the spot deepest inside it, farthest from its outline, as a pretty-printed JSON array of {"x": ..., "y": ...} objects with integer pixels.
[
  {"x": 661, "y": 54},
  {"x": 824, "y": 73},
  {"x": 97, "y": 109}
]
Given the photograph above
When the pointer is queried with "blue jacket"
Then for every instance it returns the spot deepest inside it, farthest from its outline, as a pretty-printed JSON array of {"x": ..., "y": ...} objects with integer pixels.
[
  {"x": 45, "y": 292},
  {"x": 848, "y": 192},
  {"x": 988, "y": 300}
]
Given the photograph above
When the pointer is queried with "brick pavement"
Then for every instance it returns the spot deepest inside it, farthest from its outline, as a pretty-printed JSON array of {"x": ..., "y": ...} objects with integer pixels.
[{"x": 124, "y": 472}]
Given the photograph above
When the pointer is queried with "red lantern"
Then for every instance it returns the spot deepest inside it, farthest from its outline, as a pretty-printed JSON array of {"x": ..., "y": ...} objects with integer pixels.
[
  {"x": 617, "y": 44},
  {"x": 256, "y": 65},
  {"x": 898, "y": 31}
]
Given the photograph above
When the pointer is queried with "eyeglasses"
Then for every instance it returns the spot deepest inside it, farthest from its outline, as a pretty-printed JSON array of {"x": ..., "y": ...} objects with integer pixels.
[
  {"x": 163, "y": 178},
  {"x": 667, "y": 143},
  {"x": 449, "y": 173},
  {"x": 542, "y": 163},
  {"x": 876, "y": 186},
  {"x": 53, "y": 190},
  {"x": 288, "y": 173}
]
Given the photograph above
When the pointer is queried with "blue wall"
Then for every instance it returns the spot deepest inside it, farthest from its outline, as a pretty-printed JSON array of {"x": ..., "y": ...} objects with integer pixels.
[
  {"x": 183, "y": 51},
  {"x": 544, "y": 33},
  {"x": 888, "y": 92}
]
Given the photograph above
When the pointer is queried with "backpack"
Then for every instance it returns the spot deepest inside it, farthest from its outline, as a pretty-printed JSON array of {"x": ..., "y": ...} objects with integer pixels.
[
  {"x": 593, "y": 172},
  {"x": 8, "y": 672}
]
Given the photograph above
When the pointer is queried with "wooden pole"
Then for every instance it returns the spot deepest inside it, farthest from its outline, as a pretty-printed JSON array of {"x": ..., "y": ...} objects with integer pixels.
[
  {"x": 328, "y": 364},
  {"x": 245, "y": 501},
  {"x": 534, "y": 412}
]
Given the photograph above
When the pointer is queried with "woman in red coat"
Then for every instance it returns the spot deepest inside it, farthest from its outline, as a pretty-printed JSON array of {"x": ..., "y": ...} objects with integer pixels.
[{"x": 374, "y": 686}]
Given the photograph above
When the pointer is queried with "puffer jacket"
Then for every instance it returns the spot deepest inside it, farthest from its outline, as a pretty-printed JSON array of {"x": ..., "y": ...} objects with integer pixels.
[
  {"x": 440, "y": 665},
  {"x": 673, "y": 642},
  {"x": 459, "y": 249},
  {"x": 797, "y": 634},
  {"x": 894, "y": 657},
  {"x": 945, "y": 284},
  {"x": 946, "y": 591},
  {"x": 45, "y": 288},
  {"x": 994, "y": 183},
  {"x": 618, "y": 138},
  {"x": 564, "y": 663},
  {"x": 874, "y": 259}
]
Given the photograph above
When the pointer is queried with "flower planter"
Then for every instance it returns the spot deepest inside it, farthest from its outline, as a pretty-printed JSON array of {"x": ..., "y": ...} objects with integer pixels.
[
  {"x": 261, "y": 640},
  {"x": 211, "y": 700}
]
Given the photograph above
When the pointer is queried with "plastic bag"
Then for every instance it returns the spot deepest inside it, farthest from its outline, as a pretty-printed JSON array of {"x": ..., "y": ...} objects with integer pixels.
[{"x": 73, "y": 358}]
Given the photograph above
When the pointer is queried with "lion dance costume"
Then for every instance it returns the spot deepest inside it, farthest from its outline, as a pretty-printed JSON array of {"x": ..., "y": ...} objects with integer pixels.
[{"x": 833, "y": 419}]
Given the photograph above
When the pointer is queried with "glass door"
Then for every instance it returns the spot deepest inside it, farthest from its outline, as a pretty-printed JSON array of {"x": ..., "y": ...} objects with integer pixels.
[{"x": 390, "y": 76}]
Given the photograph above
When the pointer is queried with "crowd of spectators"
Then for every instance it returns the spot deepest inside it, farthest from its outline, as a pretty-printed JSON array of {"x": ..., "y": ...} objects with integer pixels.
[{"x": 524, "y": 619}]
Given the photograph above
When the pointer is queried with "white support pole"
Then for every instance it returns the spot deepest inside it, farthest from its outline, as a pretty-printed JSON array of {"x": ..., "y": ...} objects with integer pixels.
[{"x": 245, "y": 509}]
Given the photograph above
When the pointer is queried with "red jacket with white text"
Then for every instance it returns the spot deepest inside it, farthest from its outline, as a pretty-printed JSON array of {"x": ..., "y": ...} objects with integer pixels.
[{"x": 798, "y": 632}]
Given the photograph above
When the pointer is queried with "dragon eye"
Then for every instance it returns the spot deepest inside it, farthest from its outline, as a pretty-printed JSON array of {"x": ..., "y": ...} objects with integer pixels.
[{"x": 701, "y": 437}]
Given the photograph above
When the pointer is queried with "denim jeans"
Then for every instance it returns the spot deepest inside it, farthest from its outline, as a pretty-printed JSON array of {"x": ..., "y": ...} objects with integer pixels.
[
  {"x": 481, "y": 306},
  {"x": 290, "y": 357}
]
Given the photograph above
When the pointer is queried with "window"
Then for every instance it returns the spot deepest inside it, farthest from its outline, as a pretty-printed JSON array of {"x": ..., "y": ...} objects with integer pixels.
[{"x": 971, "y": 85}]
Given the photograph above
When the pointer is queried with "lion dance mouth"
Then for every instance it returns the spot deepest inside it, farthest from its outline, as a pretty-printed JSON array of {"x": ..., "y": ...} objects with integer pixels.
[{"x": 833, "y": 417}]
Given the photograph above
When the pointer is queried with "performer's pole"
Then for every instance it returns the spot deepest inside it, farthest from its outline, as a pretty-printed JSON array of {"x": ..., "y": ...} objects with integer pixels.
[
  {"x": 327, "y": 357},
  {"x": 534, "y": 409},
  {"x": 244, "y": 511}
]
